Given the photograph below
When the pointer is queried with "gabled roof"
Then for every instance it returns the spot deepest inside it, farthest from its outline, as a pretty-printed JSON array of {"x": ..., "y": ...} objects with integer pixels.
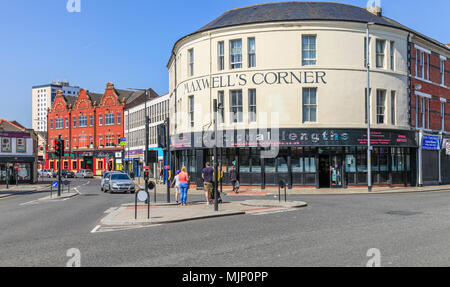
[
  {"x": 138, "y": 98},
  {"x": 94, "y": 97},
  {"x": 7, "y": 126}
]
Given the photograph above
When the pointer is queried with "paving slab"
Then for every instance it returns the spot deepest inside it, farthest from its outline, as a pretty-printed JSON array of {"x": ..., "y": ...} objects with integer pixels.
[
  {"x": 63, "y": 196},
  {"x": 171, "y": 213}
]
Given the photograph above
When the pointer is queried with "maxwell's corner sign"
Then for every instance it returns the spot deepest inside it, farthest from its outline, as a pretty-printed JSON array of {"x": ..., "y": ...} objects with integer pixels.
[{"x": 256, "y": 79}]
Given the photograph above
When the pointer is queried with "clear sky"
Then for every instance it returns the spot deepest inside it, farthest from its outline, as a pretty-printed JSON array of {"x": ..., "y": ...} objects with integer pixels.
[{"x": 128, "y": 42}]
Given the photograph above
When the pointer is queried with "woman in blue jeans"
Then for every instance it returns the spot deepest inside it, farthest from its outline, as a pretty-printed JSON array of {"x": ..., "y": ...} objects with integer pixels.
[{"x": 184, "y": 185}]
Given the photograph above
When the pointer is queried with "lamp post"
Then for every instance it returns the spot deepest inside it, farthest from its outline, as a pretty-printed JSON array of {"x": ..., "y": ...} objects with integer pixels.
[
  {"x": 147, "y": 124},
  {"x": 369, "y": 146}
]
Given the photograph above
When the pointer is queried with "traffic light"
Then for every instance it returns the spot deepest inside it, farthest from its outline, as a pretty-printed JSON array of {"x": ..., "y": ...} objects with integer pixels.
[
  {"x": 162, "y": 141},
  {"x": 146, "y": 175},
  {"x": 59, "y": 147}
]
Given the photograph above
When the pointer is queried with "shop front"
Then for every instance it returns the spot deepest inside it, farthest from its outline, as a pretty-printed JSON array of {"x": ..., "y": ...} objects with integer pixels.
[
  {"x": 304, "y": 158},
  {"x": 17, "y": 168}
]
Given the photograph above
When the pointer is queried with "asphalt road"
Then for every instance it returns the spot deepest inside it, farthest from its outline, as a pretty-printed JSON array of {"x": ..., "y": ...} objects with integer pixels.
[{"x": 407, "y": 229}]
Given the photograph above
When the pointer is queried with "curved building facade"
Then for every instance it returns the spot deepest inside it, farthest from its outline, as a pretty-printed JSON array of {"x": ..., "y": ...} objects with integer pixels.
[{"x": 290, "y": 80}]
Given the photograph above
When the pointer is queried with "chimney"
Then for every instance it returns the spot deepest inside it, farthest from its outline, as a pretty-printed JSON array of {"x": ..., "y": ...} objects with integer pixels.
[{"x": 375, "y": 10}]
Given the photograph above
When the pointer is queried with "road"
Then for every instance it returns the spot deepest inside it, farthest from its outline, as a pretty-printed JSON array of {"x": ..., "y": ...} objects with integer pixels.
[{"x": 407, "y": 229}]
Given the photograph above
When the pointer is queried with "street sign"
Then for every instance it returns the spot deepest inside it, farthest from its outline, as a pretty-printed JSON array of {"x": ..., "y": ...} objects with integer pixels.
[
  {"x": 55, "y": 184},
  {"x": 142, "y": 196},
  {"x": 448, "y": 148}
]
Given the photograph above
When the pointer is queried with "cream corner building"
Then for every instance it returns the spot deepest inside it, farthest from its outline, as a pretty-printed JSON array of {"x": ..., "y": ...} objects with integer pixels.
[{"x": 293, "y": 71}]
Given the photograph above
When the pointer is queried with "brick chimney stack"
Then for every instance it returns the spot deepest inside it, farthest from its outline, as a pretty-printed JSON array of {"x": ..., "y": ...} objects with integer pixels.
[{"x": 375, "y": 10}]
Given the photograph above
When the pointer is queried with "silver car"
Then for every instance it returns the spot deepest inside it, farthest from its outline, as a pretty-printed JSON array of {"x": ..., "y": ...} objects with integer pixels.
[
  {"x": 102, "y": 183},
  {"x": 84, "y": 173},
  {"x": 118, "y": 182}
]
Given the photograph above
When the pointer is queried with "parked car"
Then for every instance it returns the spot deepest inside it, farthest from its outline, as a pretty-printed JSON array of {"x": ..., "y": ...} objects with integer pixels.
[
  {"x": 67, "y": 174},
  {"x": 102, "y": 183},
  {"x": 118, "y": 182},
  {"x": 45, "y": 173},
  {"x": 84, "y": 173}
]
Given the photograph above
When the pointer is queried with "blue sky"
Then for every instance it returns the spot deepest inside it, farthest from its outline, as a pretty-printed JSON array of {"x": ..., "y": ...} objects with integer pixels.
[{"x": 128, "y": 42}]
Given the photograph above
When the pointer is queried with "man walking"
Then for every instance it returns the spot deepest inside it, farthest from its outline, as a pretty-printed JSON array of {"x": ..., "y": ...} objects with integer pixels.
[
  {"x": 234, "y": 178},
  {"x": 208, "y": 176}
]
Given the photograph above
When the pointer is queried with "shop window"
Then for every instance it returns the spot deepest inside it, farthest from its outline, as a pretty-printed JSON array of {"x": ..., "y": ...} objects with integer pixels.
[
  {"x": 361, "y": 160},
  {"x": 283, "y": 161},
  {"x": 270, "y": 165},
  {"x": 310, "y": 164},
  {"x": 66, "y": 165},
  {"x": 384, "y": 159},
  {"x": 74, "y": 165},
  {"x": 255, "y": 155},
  {"x": 244, "y": 160},
  {"x": 100, "y": 165},
  {"x": 350, "y": 163},
  {"x": 297, "y": 160}
]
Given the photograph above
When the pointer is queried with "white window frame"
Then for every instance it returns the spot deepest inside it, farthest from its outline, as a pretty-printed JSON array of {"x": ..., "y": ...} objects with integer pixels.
[
  {"x": 235, "y": 55},
  {"x": 308, "y": 107},
  {"x": 252, "y": 106},
  {"x": 307, "y": 49},
  {"x": 251, "y": 53},
  {"x": 382, "y": 64},
  {"x": 236, "y": 107},
  {"x": 191, "y": 62},
  {"x": 221, "y": 55},
  {"x": 381, "y": 107}
]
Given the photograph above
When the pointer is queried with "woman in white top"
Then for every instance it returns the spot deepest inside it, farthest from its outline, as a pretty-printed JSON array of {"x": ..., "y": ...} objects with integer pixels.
[{"x": 176, "y": 183}]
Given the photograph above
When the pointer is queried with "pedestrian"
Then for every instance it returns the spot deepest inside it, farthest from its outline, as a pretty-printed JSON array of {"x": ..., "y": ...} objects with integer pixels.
[
  {"x": 161, "y": 173},
  {"x": 234, "y": 178},
  {"x": 184, "y": 185},
  {"x": 208, "y": 175},
  {"x": 176, "y": 184}
]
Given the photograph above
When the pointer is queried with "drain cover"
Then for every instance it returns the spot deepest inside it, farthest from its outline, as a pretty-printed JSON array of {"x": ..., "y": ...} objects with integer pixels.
[{"x": 404, "y": 213}]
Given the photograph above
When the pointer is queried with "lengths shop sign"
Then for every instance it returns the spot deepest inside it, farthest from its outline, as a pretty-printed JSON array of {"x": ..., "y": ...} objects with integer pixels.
[{"x": 294, "y": 138}]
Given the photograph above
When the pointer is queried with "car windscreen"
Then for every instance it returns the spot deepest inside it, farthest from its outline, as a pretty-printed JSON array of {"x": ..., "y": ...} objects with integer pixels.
[{"x": 119, "y": 177}]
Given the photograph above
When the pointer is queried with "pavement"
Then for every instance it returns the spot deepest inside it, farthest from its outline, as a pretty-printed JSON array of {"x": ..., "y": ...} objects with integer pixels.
[
  {"x": 171, "y": 213},
  {"x": 255, "y": 191},
  {"x": 21, "y": 189}
]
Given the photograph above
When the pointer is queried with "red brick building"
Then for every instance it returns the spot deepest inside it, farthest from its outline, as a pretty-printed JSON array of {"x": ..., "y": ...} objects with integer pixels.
[
  {"x": 91, "y": 126},
  {"x": 430, "y": 106}
]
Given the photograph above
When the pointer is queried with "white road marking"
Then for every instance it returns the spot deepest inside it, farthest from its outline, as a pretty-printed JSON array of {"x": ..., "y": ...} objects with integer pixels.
[
  {"x": 273, "y": 212},
  {"x": 100, "y": 229},
  {"x": 96, "y": 228}
]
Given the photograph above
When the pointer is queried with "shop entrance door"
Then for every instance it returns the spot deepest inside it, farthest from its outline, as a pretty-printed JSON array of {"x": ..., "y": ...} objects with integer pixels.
[
  {"x": 324, "y": 171},
  {"x": 336, "y": 171}
]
